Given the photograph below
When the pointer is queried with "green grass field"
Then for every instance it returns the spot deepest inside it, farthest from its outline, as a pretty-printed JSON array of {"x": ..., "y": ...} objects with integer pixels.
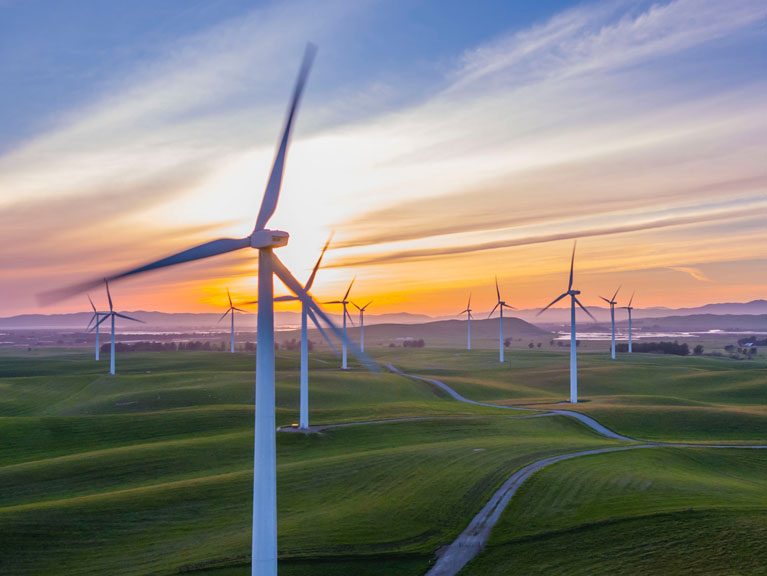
[{"x": 150, "y": 472}]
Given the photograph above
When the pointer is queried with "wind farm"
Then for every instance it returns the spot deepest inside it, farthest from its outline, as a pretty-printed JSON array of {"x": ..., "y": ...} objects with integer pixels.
[{"x": 433, "y": 157}]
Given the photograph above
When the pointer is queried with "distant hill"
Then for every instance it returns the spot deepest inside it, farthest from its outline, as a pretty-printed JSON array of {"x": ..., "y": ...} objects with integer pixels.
[{"x": 703, "y": 323}]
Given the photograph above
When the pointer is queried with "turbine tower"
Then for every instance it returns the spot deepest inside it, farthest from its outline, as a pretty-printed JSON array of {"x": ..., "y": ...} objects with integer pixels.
[
  {"x": 468, "y": 322},
  {"x": 264, "y": 534},
  {"x": 362, "y": 323},
  {"x": 612, "y": 304},
  {"x": 231, "y": 310},
  {"x": 630, "y": 308},
  {"x": 95, "y": 318},
  {"x": 345, "y": 302},
  {"x": 573, "y": 301},
  {"x": 500, "y": 305},
  {"x": 303, "y": 421},
  {"x": 112, "y": 315}
]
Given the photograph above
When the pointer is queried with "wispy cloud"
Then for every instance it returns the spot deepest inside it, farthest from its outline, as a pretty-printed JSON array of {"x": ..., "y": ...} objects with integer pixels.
[{"x": 694, "y": 272}]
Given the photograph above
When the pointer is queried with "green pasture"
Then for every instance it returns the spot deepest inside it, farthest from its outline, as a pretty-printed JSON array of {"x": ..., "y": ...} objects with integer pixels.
[{"x": 644, "y": 511}]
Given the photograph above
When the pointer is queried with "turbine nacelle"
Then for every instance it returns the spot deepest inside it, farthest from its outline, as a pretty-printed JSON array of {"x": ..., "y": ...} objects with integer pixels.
[
  {"x": 269, "y": 239},
  {"x": 573, "y": 292}
]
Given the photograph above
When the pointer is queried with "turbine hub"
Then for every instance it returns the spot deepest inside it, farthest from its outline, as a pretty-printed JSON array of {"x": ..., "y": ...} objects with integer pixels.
[
  {"x": 269, "y": 239},
  {"x": 574, "y": 292}
]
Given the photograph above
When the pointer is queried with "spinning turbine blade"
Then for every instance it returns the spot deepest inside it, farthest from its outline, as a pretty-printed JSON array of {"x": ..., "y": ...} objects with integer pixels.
[
  {"x": 224, "y": 315},
  {"x": 578, "y": 302},
  {"x": 349, "y": 316},
  {"x": 349, "y": 290},
  {"x": 468, "y": 306},
  {"x": 230, "y": 298},
  {"x": 272, "y": 192},
  {"x": 92, "y": 304},
  {"x": 616, "y": 293},
  {"x": 493, "y": 310},
  {"x": 357, "y": 307},
  {"x": 313, "y": 318},
  {"x": 239, "y": 310},
  {"x": 632, "y": 298},
  {"x": 317, "y": 265},
  {"x": 109, "y": 296},
  {"x": 99, "y": 323},
  {"x": 497, "y": 290},
  {"x": 368, "y": 304},
  {"x": 572, "y": 263},
  {"x": 551, "y": 304},
  {"x": 294, "y": 286},
  {"x": 128, "y": 318},
  {"x": 605, "y": 299}
]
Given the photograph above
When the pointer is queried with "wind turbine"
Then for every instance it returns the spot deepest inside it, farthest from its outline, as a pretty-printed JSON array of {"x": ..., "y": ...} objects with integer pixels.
[
  {"x": 112, "y": 315},
  {"x": 344, "y": 302},
  {"x": 468, "y": 324},
  {"x": 303, "y": 419},
  {"x": 573, "y": 301},
  {"x": 264, "y": 542},
  {"x": 612, "y": 304},
  {"x": 362, "y": 323},
  {"x": 231, "y": 310},
  {"x": 629, "y": 308},
  {"x": 500, "y": 305},
  {"x": 95, "y": 318}
]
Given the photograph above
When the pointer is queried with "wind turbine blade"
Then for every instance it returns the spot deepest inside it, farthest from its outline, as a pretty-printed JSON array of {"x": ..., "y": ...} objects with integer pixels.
[
  {"x": 317, "y": 265},
  {"x": 349, "y": 289},
  {"x": 578, "y": 302},
  {"x": 497, "y": 290},
  {"x": 272, "y": 192},
  {"x": 493, "y": 310},
  {"x": 230, "y": 298},
  {"x": 468, "y": 306},
  {"x": 294, "y": 286},
  {"x": 92, "y": 304},
  {"x": 551, "y": 304},
  {"x": 509, "y": 307},
  {"x": 99, "y": 323},
  {"x": 333, "y": 302},
  {"x": 616, "y": 293},
  {"x": 357, "y": 307},
  {"x": 214, "y": 248},
  {"x": 224, "y": 315},
  {"x": 572, "y": 264},
  {"x": 94, "y": 317},
  {"x": 349, "y": 316},
  {"x": 368, "y": 304},
  {"x": 240, "y": 310},
  {"x": 128, "y": 318},
  {"x": 109, "y": 296},
  {"x": 319, "y": 327},
  {"x": 632, "y": 298},
  {"x": 605, "y": 299},
  {"x": 286, "y": 298}
]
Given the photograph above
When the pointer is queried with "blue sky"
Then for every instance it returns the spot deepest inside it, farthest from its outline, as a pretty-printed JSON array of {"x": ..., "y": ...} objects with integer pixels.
[{"x": 444, "y": 142}]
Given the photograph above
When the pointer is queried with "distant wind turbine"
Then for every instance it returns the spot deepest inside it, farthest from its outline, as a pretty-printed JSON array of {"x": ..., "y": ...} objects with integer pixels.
[
  {"x": 500, "y": 305},
  {"x": 362, "y": 323},
  {"x": 573, "y": 343},
  {"x": 264, "y": 533},
  {"x": 629, "y": 308},
  {"x": 231, "y": 311},
  {"x": 95, "y": 318},
  {"x": 112, "y": 315},
  {"x": 344, "y": 302},
  {"x": 612, "y": 304},
  {"x": 468, "y": 323}
]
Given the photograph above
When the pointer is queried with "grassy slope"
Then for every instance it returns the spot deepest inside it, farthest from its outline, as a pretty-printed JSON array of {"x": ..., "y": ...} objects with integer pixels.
[
  {"x": 653, "y": 511},
  {"x": 150, "y": 472},
  {"x": 651, "y": 397}
]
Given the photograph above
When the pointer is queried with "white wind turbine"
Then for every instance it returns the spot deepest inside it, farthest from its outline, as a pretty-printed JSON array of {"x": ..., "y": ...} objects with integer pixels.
[
  {"x": 264, "y": 534},
  {"x": 468, "y": 323},
  {"x": 344, "y": 302},
  {"x": 95, "y": 318},
  {"x": 500, "y": 305},
  {"x": 612, "y": 304},
  {"x": 573, "y": 343},
  {"x": 362, "y": 322},
  {"x": 112, "y": 315},
  {"x": 231, "y": 311},
  {"x": 303, "y": 418},
  {"x": 629, "y": 308}
]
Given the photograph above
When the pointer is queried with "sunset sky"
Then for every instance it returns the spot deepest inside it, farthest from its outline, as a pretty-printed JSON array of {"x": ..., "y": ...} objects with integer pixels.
[{"x": 444, "y": 142}]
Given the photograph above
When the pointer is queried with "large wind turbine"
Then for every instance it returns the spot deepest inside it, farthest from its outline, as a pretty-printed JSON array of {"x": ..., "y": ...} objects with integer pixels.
[
  {"x": 303, "y": 419},
  {"x": 362, "y": 323},
  {"x": 573, "y": 301},
  {"x": 95, "y": 318},
  {"x": 468, "y": 323},
  {"x": 264, "y": 543},
  {"x": 231, "y": 311},
  {"x": 612, "y": 304},
  {"x": 629, "y": 308},
  {"x": 500, "y": 305},
  {"x": 344, "y": 302},
  {"x": 112, "y": 315}
]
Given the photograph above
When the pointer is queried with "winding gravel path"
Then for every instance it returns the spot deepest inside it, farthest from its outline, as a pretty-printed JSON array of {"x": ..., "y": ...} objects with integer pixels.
[{"x": 470, "y": 542}]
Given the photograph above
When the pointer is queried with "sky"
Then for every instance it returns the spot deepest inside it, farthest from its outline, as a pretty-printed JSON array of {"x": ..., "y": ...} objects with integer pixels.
[{"x": 443, "y": 143}]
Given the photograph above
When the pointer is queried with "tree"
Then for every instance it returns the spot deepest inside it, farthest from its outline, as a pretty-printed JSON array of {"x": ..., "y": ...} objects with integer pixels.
[
  {"x": 531, "y": 345},
  {"x": 698, "y": 350}
]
